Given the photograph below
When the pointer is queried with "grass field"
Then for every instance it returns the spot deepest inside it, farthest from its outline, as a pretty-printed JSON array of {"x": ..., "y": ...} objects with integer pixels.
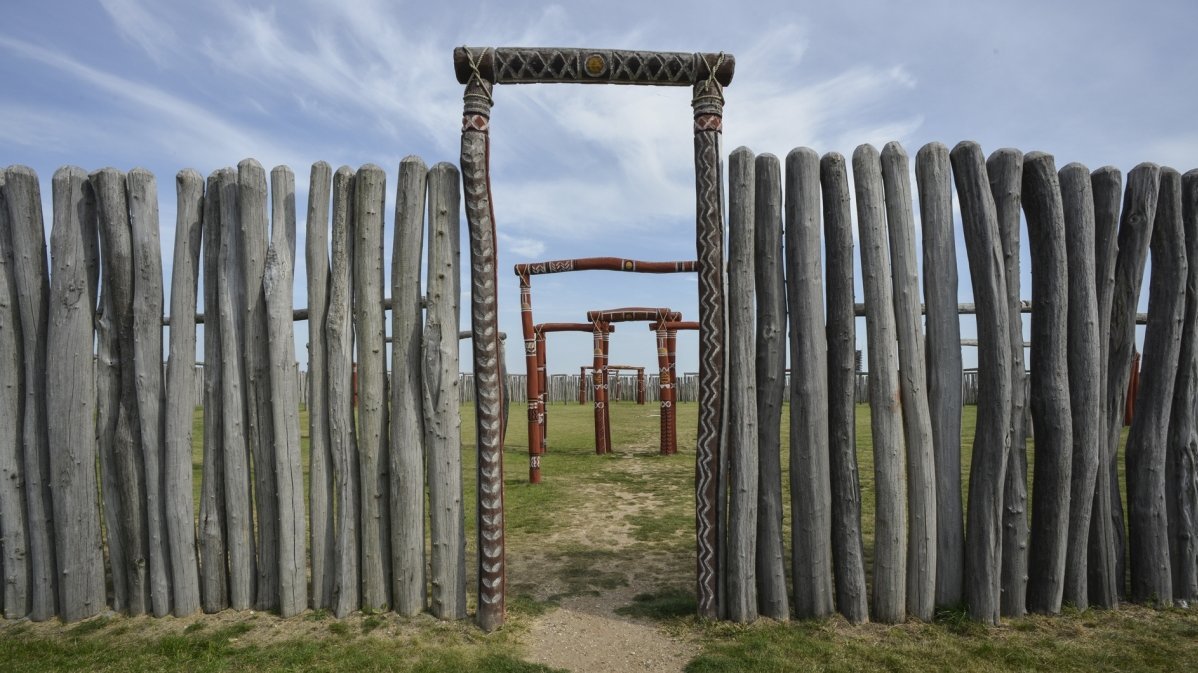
[{"x": 617, "y": 531}]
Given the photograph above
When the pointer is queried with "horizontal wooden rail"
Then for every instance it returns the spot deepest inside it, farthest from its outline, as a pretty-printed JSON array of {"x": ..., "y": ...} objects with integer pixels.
[{"x": 547, "y": 65}]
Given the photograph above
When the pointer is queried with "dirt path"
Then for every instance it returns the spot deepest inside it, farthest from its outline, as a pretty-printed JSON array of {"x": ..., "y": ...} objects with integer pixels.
[{"x": 585, "y": 633}]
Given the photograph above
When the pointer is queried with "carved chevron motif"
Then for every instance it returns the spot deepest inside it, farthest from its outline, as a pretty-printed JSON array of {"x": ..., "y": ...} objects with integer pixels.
[
  {"x": 488, "y": 393},
  {"x": 710, "y": 243}
]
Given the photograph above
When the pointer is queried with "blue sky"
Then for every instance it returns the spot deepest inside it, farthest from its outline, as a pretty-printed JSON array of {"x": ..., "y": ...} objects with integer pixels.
[{"x": 586, "y": 171}]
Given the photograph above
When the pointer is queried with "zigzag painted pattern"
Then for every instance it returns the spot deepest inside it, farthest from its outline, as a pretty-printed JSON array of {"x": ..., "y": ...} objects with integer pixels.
[
  {"x": 709, "y": 233},
  {"x": 488, "y": 394}
]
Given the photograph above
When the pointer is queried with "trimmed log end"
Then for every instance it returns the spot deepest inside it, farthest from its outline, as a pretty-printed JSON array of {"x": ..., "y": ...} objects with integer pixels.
[
  {"x": 868, "y": 152},
  {"x": 893, "y": 150},
  {"x": 931, "y": 151},
  {"x": 188, "y": 178},
  {"x": 249, "y": 164}
]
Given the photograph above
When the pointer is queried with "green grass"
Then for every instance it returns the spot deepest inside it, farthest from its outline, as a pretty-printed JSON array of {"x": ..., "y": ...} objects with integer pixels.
[{"x": 551, "y": 559}]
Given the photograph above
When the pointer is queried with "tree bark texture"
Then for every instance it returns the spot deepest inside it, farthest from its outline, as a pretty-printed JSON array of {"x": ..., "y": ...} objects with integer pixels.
[
  {"x": 890, "y": 546},
  {"x": 848, "y": 556},
  {"x": 1104, "y": 541},
  {"x": 770, "y": 293},
  {"x": 1135, "y": 232},
  {"x": 1147, "y": 513},
  {"x": 180, "y": 401},
  {"x": 742, "y": 387},
  {"x": 810, "y": 487},
  {"x": 1005, "y": 171},
  {"x": 942, "y": 346},
  {"x": 442, "y": 427},
  {"x": 1085, "y": 366},
  {"x": 14, "y": 532},
  {"x": 1050, "y": 402},
  {"x": 1181, "y": 470},
  {"x": 407, "y": 395},
  {"x": 71, "y": 401},
  {"x": 321, "y": 530},
  {"x": 913, "y": 387},
  {"x": 251, "y": 205},
  {"x": 214, "y": 574},
  {"x": 373, "y": 454},
  {"x": 32, "y": 284},
  {"x": 983, "y": 538},
  {"x": 277, "y": 283},
  {"x": 343, "y": 446},
  {"x": 239, "y": 521}
]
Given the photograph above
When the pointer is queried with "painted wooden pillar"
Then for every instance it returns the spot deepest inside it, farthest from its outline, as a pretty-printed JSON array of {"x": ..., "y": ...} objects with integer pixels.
[
  {"x": 542, "y": 391},
  {"x": 531, "y": 381}
]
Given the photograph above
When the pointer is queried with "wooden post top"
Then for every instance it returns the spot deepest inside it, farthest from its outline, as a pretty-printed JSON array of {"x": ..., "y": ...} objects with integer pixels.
[{"x": 532, "y": 65}]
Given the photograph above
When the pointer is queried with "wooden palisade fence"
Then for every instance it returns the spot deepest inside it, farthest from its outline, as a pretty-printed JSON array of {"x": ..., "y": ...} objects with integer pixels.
[
  {"x": 359, "y": 532},
  {"x": 95, "y": 437}
]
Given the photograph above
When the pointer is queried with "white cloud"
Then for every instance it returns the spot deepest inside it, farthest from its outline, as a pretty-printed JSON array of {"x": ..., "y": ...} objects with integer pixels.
[{"x": 138, "y": 23}]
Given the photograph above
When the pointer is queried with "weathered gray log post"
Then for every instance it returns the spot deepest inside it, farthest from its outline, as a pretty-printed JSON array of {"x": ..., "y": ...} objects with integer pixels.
[
  {"x": 407, "y": 395},
  {"x": 983, "y": 541},
  {"x": 1049, "y": 383},
  {"x": 70, "y": 401},
  {"x": 251, "y": 206},
  {"x": 771, "y": 379},
  {"x": 1147, "y": 516},
  {"x": 125, "y": 476},
  {"x": 1104, "y": 540},
  {"x": 913, "y": 387},
  {"x": 1085, "y": 365},
  {"x": 742, "y": 393},
  {"x": 147, "y": 365},
  {"x": 14, "y": 548},
  {"x": 373, "y": 435},
  {"x": 1005, "y": 170},
  {"x": 239, "y": 520},
  {"x": 942, "y": 347},
  {"x": 890, "y": 546},
  {"x": 321, "y": 531},
  {"x": 339, "y": 347},
  {"x": 277, "y": 283},
  {"x": 1181, "y": 471},
  {"x": 1135, "y": 232},
  {"x": 848, "y": 556},
  {"x": 810, "y": 487},
  {"x": 214, "y": 576},
  {"x": 442, "y": 426},
  {"x": 180, "y": 401},
  {"x": 32, "y": 285}
]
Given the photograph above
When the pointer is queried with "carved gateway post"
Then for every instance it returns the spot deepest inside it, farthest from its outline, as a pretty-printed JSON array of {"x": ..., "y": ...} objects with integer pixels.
[
  {"x": 667, "y": 340},
  {"x": 480, "y": 69}
]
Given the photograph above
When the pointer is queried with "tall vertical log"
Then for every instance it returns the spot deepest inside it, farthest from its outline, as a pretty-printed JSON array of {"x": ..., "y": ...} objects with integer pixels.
[
  {"x": 847, "y": 552},
  {"x": 369, "y": 198},
  {"x": 770, "y": 292},
  {"x": 214, "y": 575},
  {"x": 125, "y": 476},
  {"x": 442, "y": 427},
  {"x": 14, "y": 534},
  {"x": 913, "y": 386},
  {"x": 942, "y": 348},
  {"x": 532, "y": 383},
  {"x": 70, "y": 401},
  {"x": 600, "y": 376},
  {"x": 1104, "y": 540},
  {"x": 1005, "y": 170},
  {"x": 983, "y": 541},
  {"x": 180, "y": 402},
  {"x": 321, "y": 531},
  {"x": 1049, "y": 383},
  {"x": 32, "y": 286},
  {"x": 277, "y": 282},
  {"x": 239, "y": 521},
  {"x": 1147, "y": 515},
  {"x": 339, "y": 347},
  {"x": 1135, "y": 231},
  {"x": 147, "y": 366},
  {"x": 1085, "y": 365},
  {"x": 742, "y": 398},
  {"x": 251, "y": 206},
  {"x": 1181, "y": 466},
  {"x": 407, "y": 403},
  {"x": 890, "y": 546},
  {"x": 810, "y": 488}
]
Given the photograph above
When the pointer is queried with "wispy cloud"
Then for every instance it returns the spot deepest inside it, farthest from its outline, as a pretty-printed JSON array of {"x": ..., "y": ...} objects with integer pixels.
[{"x": 140, "y": 24}]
